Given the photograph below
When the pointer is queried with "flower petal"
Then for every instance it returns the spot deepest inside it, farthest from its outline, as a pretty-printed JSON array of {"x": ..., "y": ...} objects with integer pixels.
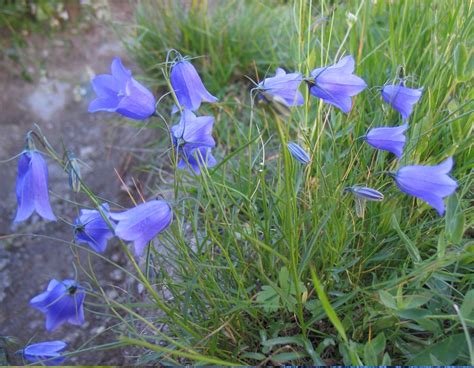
[
  {"x": 196, "y": 131},
  {"x": 284, "y": 86},
  {"x": 119, "y": 72},
  {"x": 139, "y": 102},
  {"x": 109, "y": 104},
  {"x": 389, "y": 139},
  {"x": 198, "y": 157},
  {"x": 341, "y": 101},
  {"x": 60, "y": 303},
  {"x": 105, "y": 85},
  {"x": 429, "y": 183},
  {"x": 39, "y": 172},
  {"x": 188, "y": 87},
  {"x": 24, "y": 189},
  {"x": 92, "y": 229},
  {"x": 143, "y": 222},
  {"x": 401, "y": 98}
]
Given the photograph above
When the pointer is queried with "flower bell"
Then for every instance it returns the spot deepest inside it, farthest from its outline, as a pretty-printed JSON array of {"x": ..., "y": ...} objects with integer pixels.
[
  {"x": 193, "y": 140},
  {"x": 142, "y": 223},
  {"x": 119, "y": 92},
  {"x": 391, "y": 139},
  {"x": 336, "y": 84},
  {"x": 188, "y": 87},
  {"x": 32, "y": 186},
  {"x": 62, "y": 302},
  {"x": 429, "y": 183},
  {"x": 282, "y": 87},
  {"x": 91, "y": 228},
  {"x": 47, "y": 352},
  {"x": 401, "y": 98}
]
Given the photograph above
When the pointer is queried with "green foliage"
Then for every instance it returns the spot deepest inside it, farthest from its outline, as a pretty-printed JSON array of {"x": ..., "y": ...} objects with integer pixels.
[
  {"x": 20, "y": 17},
  {"x": 235, "y": 268},
  {"x": 230, "y": 38},
  {"x": 273, "y": 297}
]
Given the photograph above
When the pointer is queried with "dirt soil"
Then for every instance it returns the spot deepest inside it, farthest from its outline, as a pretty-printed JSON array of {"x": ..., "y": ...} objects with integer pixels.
[{"x": 57, "y": 98}]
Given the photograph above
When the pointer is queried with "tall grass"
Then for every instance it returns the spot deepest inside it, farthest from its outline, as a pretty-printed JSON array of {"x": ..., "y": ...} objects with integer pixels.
[{"x": 266, "y": 261}]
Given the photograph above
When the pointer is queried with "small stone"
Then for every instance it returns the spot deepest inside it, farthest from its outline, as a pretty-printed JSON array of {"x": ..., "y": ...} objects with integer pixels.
[
  {"x": 87, "y": 151},
  {"x": 112, "y": 294},
  {"x": 35, "y": 324},
  {"x": 116, "y": 275},
  {"x": 97, "y": 330}
]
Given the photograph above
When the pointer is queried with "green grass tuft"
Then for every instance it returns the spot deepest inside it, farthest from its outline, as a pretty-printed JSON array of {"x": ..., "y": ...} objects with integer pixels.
[{"x": 236, "y": 265}]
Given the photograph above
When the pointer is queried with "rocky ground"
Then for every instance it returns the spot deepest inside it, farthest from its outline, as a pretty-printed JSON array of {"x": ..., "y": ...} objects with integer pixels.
[{"x": 56, "y": 99}]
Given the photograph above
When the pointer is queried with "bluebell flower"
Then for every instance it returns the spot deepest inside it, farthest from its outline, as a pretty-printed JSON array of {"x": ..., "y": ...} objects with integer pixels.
[
  {"x": 91, "y": 228},
  {"x": 32, "y": 187},
  {"x": 62, "y": 302},
  {"x": 142, "y": 223},
  {"x": 121, "y": 93},
  {"x": 46, "y": 353},
  {"x": 336, "y": 84},
  {"x": 429, "y": 183},
  {"x": 298, "y": 153},
  {"x": 401, "y": 98},
  {"x": 283, "y": 87},
  {"x": 388, "y": 139},
  {"x": 193, "y": 140},
  {"x": 188, "y": 87}
]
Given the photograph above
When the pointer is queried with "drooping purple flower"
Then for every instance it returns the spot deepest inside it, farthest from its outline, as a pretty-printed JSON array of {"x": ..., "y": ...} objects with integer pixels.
[
  {"x": 429, "y": 183},
  {"x": 62, "y": 302},
  {"x": 32, "y": 187},
  {"x": 336, "y": 84},
  {"x": 298, "y": 153},
  {"x": 142, "y": 223},
  {"x": 193, "y": 140},
  {"x": 121, "y": 93},
  {"x": 188, "y": 87},
  {"x": 401, "y": 98},
  {"x": 283, "y": 87},
  {"x": 390, "y": 139},
  {"x": 46, "y": 353},
  {"x": 91, "y": 228}
]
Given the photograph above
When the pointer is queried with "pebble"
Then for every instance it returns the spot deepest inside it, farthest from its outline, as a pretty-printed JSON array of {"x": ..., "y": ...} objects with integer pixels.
[
  {"x": 116, "y": 275},
  {"x": 97, "y": 330},
  {"x": 112, "y": 294}
]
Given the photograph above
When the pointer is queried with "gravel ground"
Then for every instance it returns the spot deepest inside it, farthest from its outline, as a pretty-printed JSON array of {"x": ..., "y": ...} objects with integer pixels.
[{"x": 57, "y": 100}]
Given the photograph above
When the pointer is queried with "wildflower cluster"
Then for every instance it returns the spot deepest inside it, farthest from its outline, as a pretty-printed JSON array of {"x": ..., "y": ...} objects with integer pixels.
[
  {"x": 63, "y": 301},
  {"x": 336, "y": 85}
]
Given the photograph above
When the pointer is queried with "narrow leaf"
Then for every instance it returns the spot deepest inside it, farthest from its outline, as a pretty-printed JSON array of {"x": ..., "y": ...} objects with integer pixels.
[
  {"x": 411, "y": 248},
  {"x": 327, "y": 306}
]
